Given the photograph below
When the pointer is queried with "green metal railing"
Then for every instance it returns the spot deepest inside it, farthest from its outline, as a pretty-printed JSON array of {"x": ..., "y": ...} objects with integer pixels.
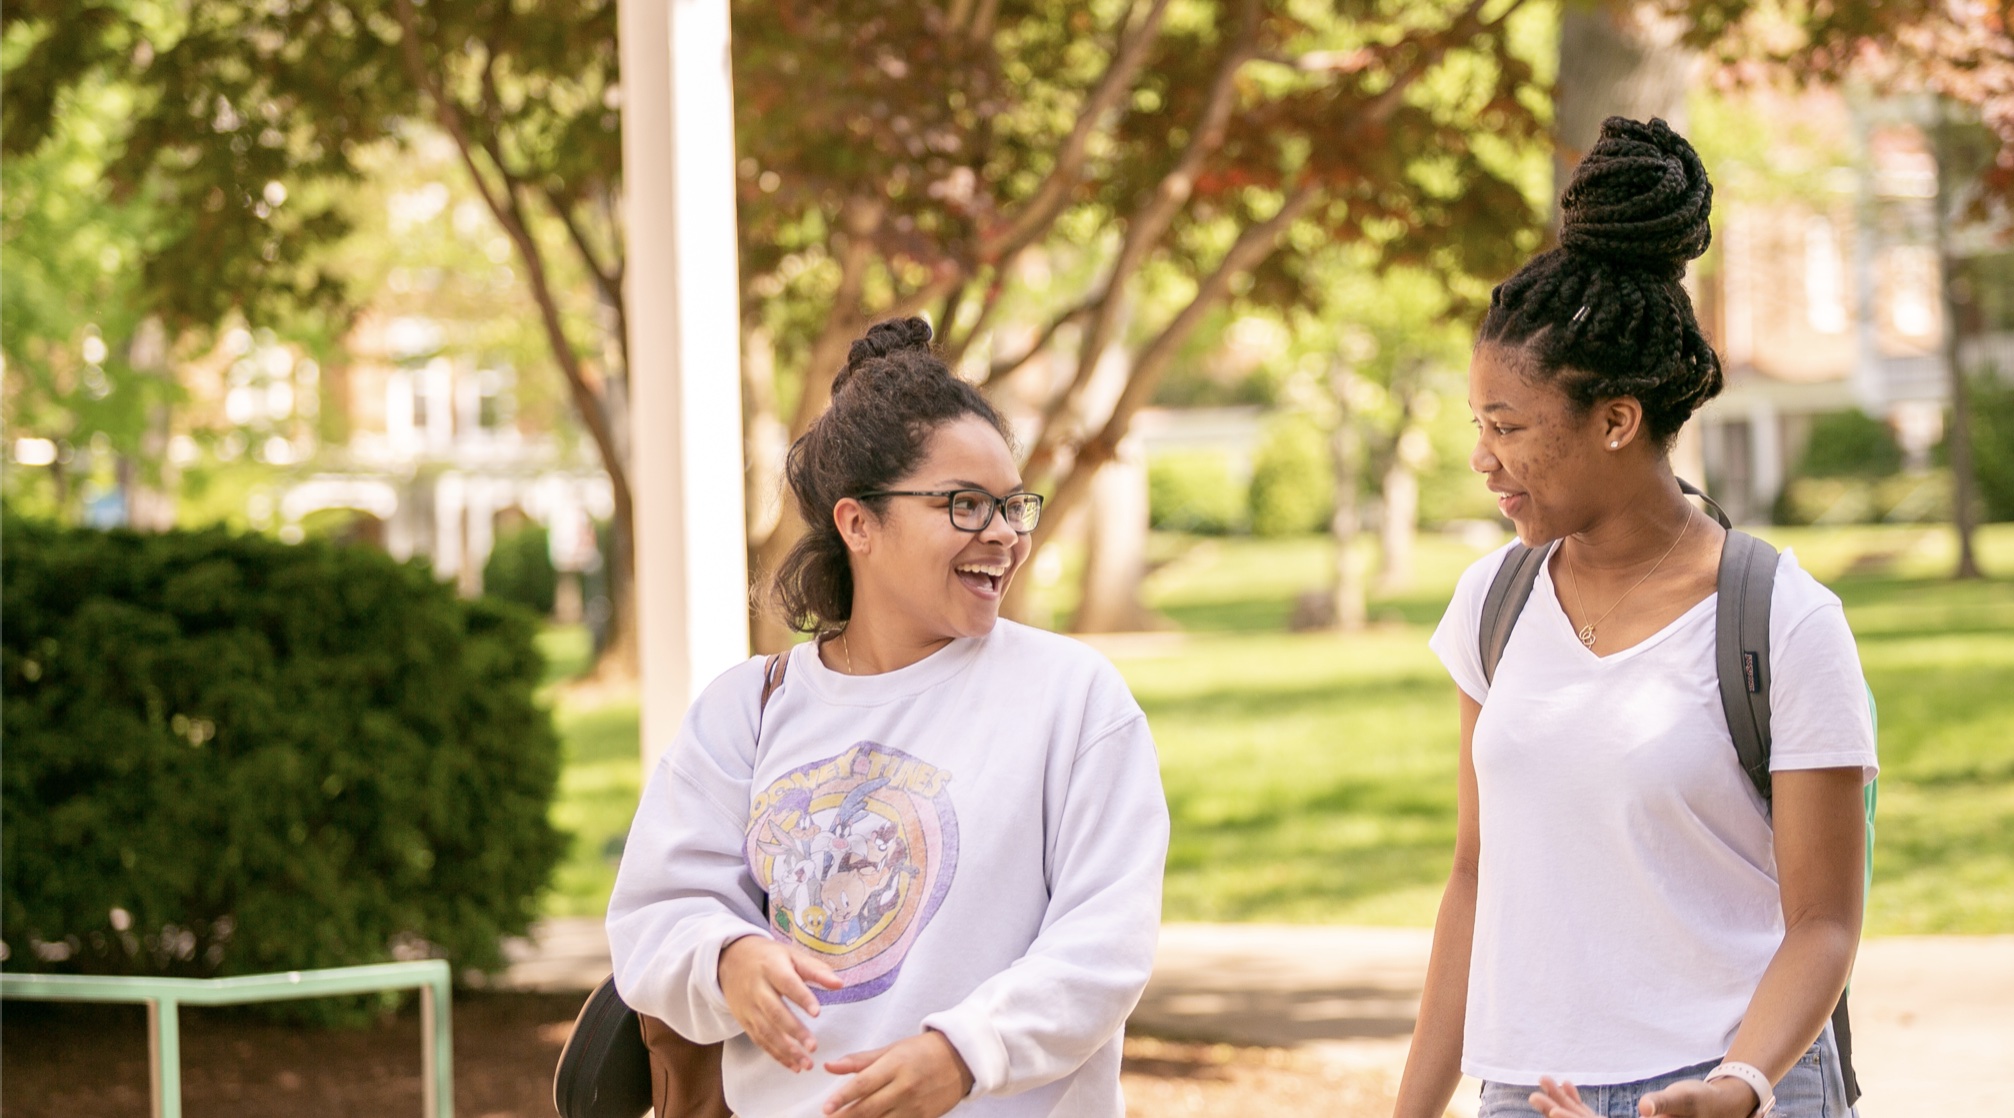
[{"x": 164, "y": 996}]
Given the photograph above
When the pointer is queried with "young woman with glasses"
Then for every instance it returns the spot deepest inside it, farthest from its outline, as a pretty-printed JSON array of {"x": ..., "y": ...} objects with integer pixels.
[
  {"x": 1629, "y": 928},
  {"x": 926, "y": 874}
]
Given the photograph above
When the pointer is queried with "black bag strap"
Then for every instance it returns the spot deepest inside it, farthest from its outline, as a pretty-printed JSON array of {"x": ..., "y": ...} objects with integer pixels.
[
  {"x": 1745, "y": 581},
  {"x": 1741, "y": 648},
  {"x": 772, "y": 678},
  {"x": 1509, "y": 591},
  {"x": 1712, "y": 506}
]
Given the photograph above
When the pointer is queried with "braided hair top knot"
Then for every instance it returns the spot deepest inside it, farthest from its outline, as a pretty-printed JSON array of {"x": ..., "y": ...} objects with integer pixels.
[
  {"x": 1640, "y": 198},
  {"x": 1604, "y": 315},
  {"x": 890, "y": 399}
]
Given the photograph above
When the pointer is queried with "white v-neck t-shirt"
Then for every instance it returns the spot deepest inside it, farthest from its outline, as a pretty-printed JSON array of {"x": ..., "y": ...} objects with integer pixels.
[{"x": 1627, "y": 903}]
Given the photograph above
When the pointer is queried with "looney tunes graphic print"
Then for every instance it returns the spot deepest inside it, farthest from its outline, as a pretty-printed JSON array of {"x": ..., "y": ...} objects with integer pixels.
[{"x": 856, "y": 854}]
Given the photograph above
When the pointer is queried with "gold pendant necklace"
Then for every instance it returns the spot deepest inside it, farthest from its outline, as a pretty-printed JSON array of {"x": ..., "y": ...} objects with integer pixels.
[{"x": 1586, "y": 632}]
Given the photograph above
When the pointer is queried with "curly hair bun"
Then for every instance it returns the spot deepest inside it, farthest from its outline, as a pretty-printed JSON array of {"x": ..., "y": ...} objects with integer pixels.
[
  {"x": 883, "y": 338},
  {"x": 1640, "y": 198}
]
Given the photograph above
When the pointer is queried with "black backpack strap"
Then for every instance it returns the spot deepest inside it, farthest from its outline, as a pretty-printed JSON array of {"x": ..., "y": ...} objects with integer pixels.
[
  {"x": 772, "y": 678},
  {"x": 1509, "y": 592},
  {"x": 1747, "y": 578},
  {"x": 772, "y": 675},
  {"x": 1712, "y": 506},
  {"x": 1842, "y": 1036}
]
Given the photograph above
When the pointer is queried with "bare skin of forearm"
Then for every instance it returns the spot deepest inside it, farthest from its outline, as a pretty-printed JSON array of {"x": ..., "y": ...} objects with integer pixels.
[
  {"x": 1433, "y": 1064},
  {"x": 1820, "y": 849}
]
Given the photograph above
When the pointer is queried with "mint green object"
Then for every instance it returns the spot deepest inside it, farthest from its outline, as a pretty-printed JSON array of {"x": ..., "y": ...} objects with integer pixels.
[
  {"x": 164, "y": 996},
  {"x": 1868, "y": 795}
]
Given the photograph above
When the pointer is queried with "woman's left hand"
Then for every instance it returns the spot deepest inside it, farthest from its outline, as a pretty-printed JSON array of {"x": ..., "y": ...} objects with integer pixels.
[
  {"x": 920, "y": 1077},
  {"x": 1690, "y": 1098},
  {"x": 1557, "y": 1099}
]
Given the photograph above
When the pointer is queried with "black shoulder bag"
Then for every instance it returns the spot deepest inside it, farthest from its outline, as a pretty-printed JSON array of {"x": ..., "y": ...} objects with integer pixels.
[{"x": 618, "y": 1064}]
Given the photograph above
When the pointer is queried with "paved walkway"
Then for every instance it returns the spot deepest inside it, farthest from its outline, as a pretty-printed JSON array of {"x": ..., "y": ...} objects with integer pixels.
[{"x": 1933, "y": 1015}]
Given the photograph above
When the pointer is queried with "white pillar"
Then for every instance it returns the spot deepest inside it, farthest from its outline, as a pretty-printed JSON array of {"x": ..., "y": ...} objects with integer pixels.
[{"x": 684, "y": 352}]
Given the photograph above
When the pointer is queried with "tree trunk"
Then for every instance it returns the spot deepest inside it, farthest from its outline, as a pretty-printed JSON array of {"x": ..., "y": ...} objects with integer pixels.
[
  {"x": 621, "y": 653},
  {"x": 1613, "y": 61},
  {"x": 1958, "y": 436},
  {"x": 765, "y": 498},
  {"x": 1399, "y": 488},
  {"x": 1348, "y": 605},
  {"x": 1398, "y": 525},
  {"x": 602, "y": 407},
  {"x": 1115, "y": 555}
]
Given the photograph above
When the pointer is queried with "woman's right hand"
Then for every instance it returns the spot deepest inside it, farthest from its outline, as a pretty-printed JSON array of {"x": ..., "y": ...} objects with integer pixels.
[{"x": 759, "y": 976}]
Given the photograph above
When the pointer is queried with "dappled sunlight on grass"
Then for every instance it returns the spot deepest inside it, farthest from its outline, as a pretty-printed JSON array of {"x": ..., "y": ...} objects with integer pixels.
[
  {"x": 1311, "y": 776},
  {"x": 597, "y": 798},
  {"x": 568, "y": 652}
]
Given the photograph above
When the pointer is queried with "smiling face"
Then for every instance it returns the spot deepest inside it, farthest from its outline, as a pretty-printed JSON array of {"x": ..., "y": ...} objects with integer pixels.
[
  {"x": 916, "y": 573},
  {"x": 1550, "y": 463}
]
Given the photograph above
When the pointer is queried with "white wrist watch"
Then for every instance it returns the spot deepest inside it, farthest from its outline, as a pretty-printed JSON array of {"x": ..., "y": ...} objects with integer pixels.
[{"x": 1757, "y": 1082}]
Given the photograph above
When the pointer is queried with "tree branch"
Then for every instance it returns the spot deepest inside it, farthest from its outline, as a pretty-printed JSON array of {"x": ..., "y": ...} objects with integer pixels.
[
  {"x": 1042, "y": 209},
  {"x": 608, "y": 279},
  {"x": 605, "y": 277},
  {"x": 1251, "y": 248},
  {"x": 996, "y": 286},
  {"x": 1464, "y": 26},
  {"x": 508, "y": 211},
  {"x": 942, "y": 285},
  {"x": 859, "y": 218},
  {"x": 1006, "y": 367},
  {"x": 1144, "y": 230}
]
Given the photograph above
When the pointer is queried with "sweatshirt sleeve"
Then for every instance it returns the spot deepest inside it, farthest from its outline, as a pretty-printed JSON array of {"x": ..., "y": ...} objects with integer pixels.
[
  {"x": 1042, "y": 1017},
  {"x": 683, "y": 891}
]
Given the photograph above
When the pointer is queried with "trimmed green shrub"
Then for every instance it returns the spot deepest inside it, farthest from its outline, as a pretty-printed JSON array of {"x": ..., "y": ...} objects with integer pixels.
[
  {"x": 226, "y": 755},
  {"x": 1293, "y": 488},
  {"x": 1993, "y": 445},
  {"x": 1850, "y": 444},
  {"x": 520, "y": 569},
  {"x": 1192, "y": 491}
]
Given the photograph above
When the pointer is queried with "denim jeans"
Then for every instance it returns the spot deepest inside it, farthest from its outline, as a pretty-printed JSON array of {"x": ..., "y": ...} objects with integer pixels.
[{"x": 1814, "y": 1088}]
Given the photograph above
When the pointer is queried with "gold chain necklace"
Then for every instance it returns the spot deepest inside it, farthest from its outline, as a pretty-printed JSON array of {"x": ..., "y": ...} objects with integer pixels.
[
  {"x": 1586, "y": 632},
  {"x": 846, "y": 646}
]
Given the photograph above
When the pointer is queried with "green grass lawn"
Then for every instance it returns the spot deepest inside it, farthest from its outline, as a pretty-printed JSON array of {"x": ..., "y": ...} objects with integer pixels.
[
  {"x": 602, "y": 777},
  {"x": 1311, "y": 777}
]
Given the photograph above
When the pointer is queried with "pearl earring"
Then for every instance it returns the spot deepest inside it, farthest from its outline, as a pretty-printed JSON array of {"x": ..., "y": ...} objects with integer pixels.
[{"x": 1613, "y": 446}]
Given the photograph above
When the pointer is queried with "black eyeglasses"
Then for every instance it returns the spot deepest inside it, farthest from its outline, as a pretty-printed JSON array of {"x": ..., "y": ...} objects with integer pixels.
[{"x": 972, "y": 510}]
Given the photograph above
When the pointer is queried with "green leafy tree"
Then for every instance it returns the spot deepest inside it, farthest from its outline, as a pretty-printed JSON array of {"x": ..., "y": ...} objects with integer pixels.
[
  {"x": 250, "y": 122},
  {"x": 894, "y": 158},
  {"x": 82, "y": 359}
]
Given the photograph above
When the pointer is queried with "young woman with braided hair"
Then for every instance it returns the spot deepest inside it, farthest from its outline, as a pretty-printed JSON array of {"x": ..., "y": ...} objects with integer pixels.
[
  {"x": 924, "y": 872},
  {"x": 1629, "y": 929}
]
